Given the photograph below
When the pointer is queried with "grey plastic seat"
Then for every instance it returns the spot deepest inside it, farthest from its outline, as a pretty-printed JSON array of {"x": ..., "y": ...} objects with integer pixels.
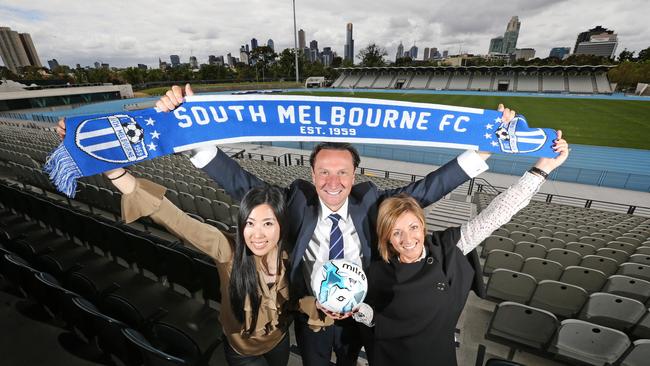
[
  {"x": 578, "y": 232},
  {"x": 589, "y": 279},
  {"x": 631, "y": 287},
  {"x": 640, "y": 258},
  {"x": 519, "y": 236},
  {"x": 613, "y": 311},
  {"x": 508, "y": 285},
  {"x": 523, "y": 324},
  {"x": 626, "y": 247},
  {"x": 564, "y": 256},
  {"x": 542, "y": 269},
  {"x": 187, "y": 203},
  {"x": 221, "y": 211},
  {"x": 639, "y": 355},
  {"x": 582, "y": 248},
  {"x": 567, "y": 237},
  {"x": 550, "y": 242},
  {"x": 502, "y": 232},
  {"x": 637, "y": 236},
  {"x": 596, "y": 242},
  {"x": 610, "y": 231},
  {"x": 502, "y": 259},
  {"x": 635, "y": 270},
  {"x": 497, "y": 242},
  {"x": 204, "y": 208},
  {"x": 529, "y": 250},
  {"x": 514, "y": 226},
  {"x": 591, "y": 344},
  {"x": 561, "y": 299},
  {"x": 539, "y": 231},
  {"x": 615, "y": 254},
  {"x": 642, "y": 328},
  {"x": 642, "y": 250},
  {"x": 606, "y": 237},
  {"x": 606, "y": 265}
]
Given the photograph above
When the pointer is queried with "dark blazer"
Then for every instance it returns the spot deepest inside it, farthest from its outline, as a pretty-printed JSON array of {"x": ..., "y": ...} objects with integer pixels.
[{"x": 303, "y": 205}]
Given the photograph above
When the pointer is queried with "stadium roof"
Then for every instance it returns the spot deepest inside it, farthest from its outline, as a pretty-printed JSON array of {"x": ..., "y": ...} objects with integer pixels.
[{"x": 503, "y": 68}]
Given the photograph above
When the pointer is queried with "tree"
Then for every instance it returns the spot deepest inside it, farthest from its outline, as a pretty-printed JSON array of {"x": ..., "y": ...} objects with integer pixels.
[
  {"x": 372, "y": 55},
  {"x": 262, "y": 57},
  {"x": 644, "y": 55},
  {"x": 626, "y": 55}
]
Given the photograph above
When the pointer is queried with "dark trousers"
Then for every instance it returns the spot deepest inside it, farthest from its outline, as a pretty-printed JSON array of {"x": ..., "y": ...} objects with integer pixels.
[
  {"x": 278, "y": 356},
  {"x": 316, "y": 347}
]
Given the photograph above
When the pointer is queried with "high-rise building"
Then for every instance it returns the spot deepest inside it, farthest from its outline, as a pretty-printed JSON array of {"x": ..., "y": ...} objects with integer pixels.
[
  {"x": 426, "y": 53},
  {"x": 349, "y": 44},
  {"x": 413, "y": 52},
  {"x": 400, "y": 51},
  {"x": 586, "y": 36},
  {"x": 231, "y": 61},
  {"x": 301, "y": 40},
  {"x": 142, "y": 67},
  {"x": 313, "y": 45},
  {"x": 524, "y": 53},
  {"x": 53, "y": 64},
  {"x": 175, "y": 60},
  {"x": 253, "y": 43},
  {"x": 603, "y": 45},
  {"x": 97, "y": 64},
  {"x": 17, "y": 50},
  {"x": 194, "y": 63},
  {"x": 270, "y": 45},
  {"x": 243, "y": 55},
  {"x": 327, "y": 56},
  {"x": 560, "y": 52},
  {"x": 434, "y": 53},
  {"x": 496, "y": 45},
  {"x": 511, "y": 35},
  {"x": 215, "y": 60},
  {"x": 445, "y": 54}
]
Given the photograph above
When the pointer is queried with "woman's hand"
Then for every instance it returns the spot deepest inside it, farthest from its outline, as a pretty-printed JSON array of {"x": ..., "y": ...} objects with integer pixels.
[
  {"x": 173, "y": 98},
  {"x": 332, "y": 314},
  {"x": 560, "y": 146},
  {"x": 60, "y": 128},
  {"x": 506, "y": 116}
]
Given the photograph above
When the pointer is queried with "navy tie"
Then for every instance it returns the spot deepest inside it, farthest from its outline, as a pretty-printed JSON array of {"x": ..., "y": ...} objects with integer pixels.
[{"x": 336, "y": 237}]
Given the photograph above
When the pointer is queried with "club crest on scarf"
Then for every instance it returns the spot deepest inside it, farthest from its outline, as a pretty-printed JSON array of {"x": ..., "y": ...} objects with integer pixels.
[
  {"x": 114, "y": 139},
  {"x": 516, "y": 137}
]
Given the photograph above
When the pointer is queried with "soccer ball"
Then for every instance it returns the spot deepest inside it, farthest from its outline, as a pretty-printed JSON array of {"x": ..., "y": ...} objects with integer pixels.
[
  {"x": 339, "y": 285},
  {"x": 502, "y": 133},
  {"x": 133, "y": 131}
]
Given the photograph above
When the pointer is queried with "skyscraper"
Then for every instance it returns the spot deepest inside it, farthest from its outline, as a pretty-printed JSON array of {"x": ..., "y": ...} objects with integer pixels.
[
  {"x": 349, "y": 44},
  {"x": 253, "y": 44},
  {"x": 511, "y": 35},
  {"x": 301, "y": 40},
  {"x": 586, "y": 36},
  {"x": 496, "y": 45},
  {"x": 17, "y": 50},
  {"x": 270, "y": 45},
  {"x": 194, "y": 63},
  {"x": 413, "y": 52},
  {"x": 327, "y": 56},
  {"x": 175, "y": 60},
  {"x": 426, "y": 53},
  {"x": 400, "y": 51},
  {"x": 560, "y": 52}
]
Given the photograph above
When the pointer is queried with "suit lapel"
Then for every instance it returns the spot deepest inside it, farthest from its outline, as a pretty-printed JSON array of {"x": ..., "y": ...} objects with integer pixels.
[
  {"x": 309, "y": 221},
  {"x": 358, "y": 216}
]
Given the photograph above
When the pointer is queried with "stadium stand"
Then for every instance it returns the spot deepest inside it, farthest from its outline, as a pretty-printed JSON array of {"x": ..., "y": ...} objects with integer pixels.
[{"x": 530, "y": 79}]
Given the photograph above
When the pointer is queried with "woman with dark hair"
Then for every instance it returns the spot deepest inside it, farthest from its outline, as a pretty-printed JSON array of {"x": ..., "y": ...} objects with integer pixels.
[{"x": 416, "y": 292}]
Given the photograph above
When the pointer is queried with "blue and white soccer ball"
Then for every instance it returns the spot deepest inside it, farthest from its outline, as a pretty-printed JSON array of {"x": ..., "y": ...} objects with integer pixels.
[
  {"x": 339, "y": 285},
  {"x": 134, "y": 133}
]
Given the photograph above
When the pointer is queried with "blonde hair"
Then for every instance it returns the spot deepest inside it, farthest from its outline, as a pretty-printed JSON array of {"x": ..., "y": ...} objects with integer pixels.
[{"x": 389, "y": 210}]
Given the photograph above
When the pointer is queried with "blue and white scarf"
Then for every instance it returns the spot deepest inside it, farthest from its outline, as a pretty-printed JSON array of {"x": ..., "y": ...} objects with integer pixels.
[{"x": 97, "y": 143}]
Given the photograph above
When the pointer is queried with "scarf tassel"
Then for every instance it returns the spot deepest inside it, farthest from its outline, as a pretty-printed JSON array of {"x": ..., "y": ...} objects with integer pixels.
[{"x": 63, "y": 171}]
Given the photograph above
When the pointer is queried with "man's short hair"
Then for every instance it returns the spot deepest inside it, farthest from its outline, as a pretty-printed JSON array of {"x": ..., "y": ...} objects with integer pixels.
[{"x": 335, "y": 146}]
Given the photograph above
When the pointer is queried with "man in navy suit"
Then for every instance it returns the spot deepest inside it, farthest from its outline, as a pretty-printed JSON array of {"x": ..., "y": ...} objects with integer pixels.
[{"x": 332, "y": 204}]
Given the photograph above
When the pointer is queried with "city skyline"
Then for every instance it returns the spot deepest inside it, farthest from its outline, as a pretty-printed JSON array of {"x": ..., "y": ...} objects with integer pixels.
[{"x": 126, "y": 34}]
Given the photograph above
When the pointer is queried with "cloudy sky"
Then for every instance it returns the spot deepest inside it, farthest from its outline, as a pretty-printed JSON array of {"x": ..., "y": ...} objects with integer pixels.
[{"x": 125, "y": 33}]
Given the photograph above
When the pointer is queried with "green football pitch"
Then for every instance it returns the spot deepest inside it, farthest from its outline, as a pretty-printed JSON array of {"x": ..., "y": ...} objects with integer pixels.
[{"x": 602, "y": 122}]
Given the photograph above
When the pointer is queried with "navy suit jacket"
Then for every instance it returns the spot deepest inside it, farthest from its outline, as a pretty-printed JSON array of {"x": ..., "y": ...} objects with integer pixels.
[{"x": 303, "y": 206}]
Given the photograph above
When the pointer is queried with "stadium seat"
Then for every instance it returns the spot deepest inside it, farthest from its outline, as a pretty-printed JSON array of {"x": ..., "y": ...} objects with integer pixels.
[
  {"x": 583, "y": 342},
  {"x": 631, "y": 287},
  {"x": 567, "y": 237},
  {"x": 564, "y": 256},
  {"x": 542, "y": 269},
  {"x": 596, "y": 242},
  {"x": 529, "y": 250},
  {"x": 578, "y": 232},
  {"x": 508, "y": 285},
  {"x": 221, "y": 211},
  {"x": 152, "y": 355},
  {"x": 502, "y": 232},
  {"x": 642, "y": 250},
  {"x": 523, "y": 324},
  {"x": 550, "y": 242},
  {"x": 210, "y": 282},
  {"x": 613, "y": 311},
  {"x": 519, "y": 236},
  {"x": 501, "y": 259},
  {"x": 180, "y": 269},
  {"x": 639, "y": 355},
  {"x": 626, "y": 247},
  {"x": 561, "y": 299},
  {"x": 589, "y": 279},
  {"x": 618, "y": 255},
  {"x": 606, "y": 265},
  {"x": 187, "y": 202},
  {"x": 497, "y": 242},
  {"x": 642, "y": 328},
  {"x": 204, "y": 208},
  {"x": 583, "y": 249},
  {"x": 635, "y": 270},
  {"x": 539, "y": 232}
]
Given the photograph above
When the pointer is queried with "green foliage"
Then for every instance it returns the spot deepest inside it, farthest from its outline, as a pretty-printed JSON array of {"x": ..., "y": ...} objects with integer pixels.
[
  {"x": 372, "y": 55},
  {"x": 626, "y": 55}
]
